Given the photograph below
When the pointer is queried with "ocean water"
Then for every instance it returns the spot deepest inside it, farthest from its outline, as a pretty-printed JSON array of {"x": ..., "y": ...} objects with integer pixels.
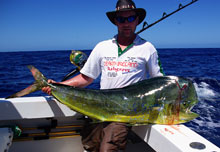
[{"x": 202, "y": 66}]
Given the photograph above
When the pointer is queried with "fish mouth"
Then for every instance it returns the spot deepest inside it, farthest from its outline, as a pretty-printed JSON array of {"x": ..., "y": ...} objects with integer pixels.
[
  {"x": 188, "y": 116},
  {"x": 189, "y": 109}
]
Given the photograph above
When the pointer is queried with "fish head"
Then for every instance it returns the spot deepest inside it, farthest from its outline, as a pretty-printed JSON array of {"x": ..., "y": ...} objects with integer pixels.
[{"x": 187, "y": 99}]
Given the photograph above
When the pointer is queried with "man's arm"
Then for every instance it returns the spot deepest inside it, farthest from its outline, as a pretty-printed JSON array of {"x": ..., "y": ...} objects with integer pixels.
[{"x": 80, "y": 81}]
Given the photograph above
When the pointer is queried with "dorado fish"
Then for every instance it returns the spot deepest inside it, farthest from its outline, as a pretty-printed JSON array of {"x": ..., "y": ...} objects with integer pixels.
[{"x": 159, "y": 100}]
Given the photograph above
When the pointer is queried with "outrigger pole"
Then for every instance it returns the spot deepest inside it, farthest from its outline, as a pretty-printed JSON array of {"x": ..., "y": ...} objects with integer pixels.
[{"x": 165, "y": 16}]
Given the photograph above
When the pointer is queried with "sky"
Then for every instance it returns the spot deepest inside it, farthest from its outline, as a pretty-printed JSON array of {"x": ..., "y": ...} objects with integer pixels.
[{"x": 38, "y": 25}]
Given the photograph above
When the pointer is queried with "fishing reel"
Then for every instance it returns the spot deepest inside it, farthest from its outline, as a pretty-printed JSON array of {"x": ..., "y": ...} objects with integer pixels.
[{"x": 77, "y": 58}]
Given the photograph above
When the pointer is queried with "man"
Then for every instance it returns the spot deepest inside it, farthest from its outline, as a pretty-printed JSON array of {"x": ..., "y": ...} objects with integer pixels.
[{"x": 121, "y": 61}]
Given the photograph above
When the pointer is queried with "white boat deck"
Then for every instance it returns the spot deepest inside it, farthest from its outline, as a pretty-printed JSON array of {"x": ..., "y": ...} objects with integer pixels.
[{"x": 31, "y": 112}]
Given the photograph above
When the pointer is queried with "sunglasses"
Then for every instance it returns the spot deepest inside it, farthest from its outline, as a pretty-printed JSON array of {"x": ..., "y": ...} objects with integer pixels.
[{"x": 130, "y": 19}]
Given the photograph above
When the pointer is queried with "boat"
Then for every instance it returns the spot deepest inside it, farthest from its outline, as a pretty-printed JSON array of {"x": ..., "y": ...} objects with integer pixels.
[{"x": 39, "y": 124}]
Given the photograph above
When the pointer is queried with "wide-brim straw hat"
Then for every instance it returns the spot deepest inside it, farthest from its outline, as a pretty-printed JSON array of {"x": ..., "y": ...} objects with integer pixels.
[{"x": 126, "y": 5}]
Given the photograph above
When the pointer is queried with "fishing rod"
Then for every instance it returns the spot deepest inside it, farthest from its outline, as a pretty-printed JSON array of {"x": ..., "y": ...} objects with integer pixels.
[{"x": 165, "y": 16}]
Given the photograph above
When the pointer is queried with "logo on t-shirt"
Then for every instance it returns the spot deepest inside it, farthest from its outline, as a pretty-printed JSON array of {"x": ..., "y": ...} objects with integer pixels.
[{"x": 116, "y": 67}]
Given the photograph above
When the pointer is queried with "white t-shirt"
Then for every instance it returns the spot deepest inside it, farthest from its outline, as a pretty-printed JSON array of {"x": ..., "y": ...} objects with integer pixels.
[{"x": 119, "y": 71}]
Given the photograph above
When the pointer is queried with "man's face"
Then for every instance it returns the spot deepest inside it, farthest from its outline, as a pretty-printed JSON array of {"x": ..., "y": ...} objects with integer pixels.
[{"x": 126, "y": 26}]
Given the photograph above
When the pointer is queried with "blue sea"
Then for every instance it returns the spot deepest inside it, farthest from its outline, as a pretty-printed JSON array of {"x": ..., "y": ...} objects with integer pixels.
[{"x": 202, "y": 66}]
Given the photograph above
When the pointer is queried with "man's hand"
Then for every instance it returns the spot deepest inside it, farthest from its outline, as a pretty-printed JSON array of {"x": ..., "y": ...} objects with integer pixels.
[{"x": 48, "y": 89}]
